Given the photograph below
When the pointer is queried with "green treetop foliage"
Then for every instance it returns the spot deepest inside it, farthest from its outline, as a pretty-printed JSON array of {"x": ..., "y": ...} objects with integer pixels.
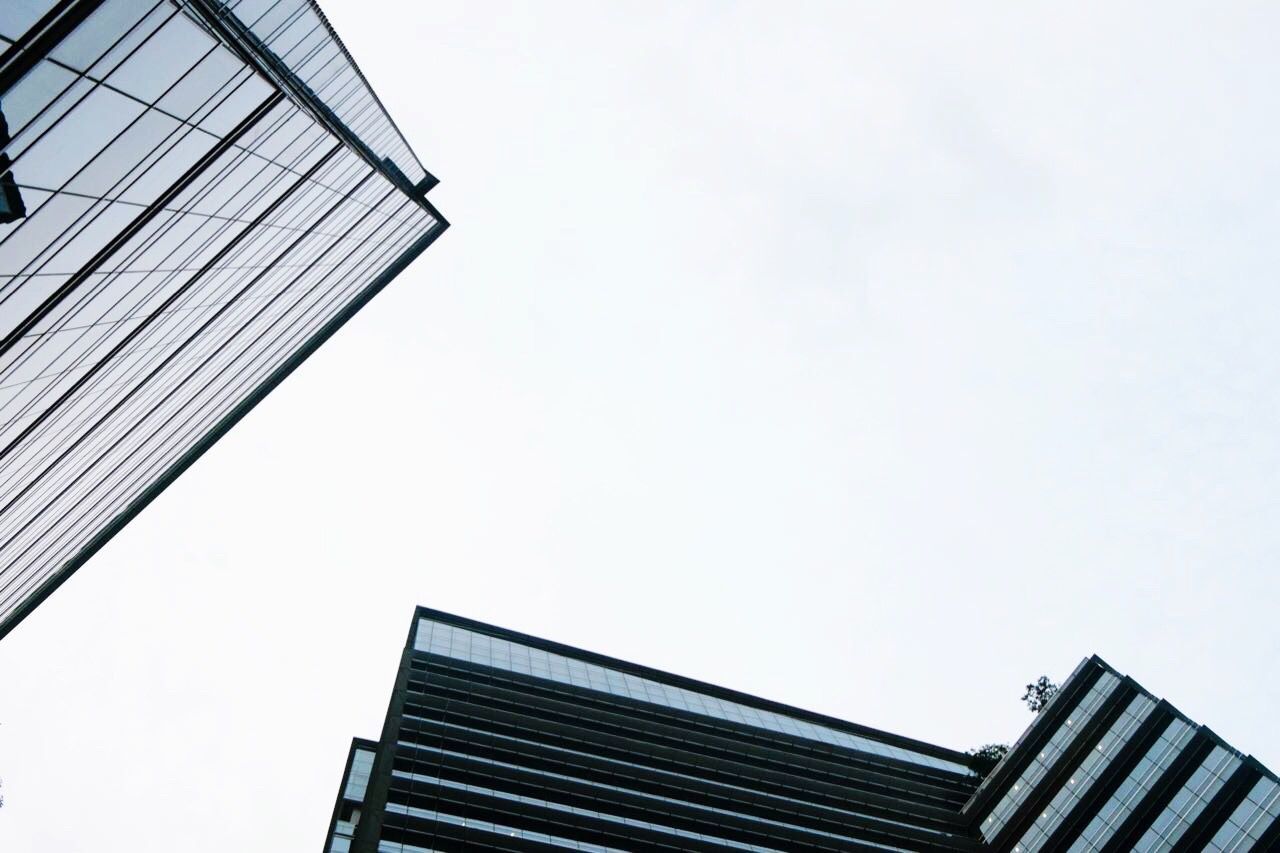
[
  {"x": 986, "y": 757},
  {"x": 1037, "y": 696}
]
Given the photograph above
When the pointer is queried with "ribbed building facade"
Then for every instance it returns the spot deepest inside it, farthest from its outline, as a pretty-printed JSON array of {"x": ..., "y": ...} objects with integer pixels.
[
  {"x": 194, "y": 195},
  {"x": 500, "y": 741},
  {"x": 1108, "y": 767}
]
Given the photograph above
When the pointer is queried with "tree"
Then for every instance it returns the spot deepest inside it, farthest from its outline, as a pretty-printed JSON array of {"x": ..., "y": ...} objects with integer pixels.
[
  {"x": 986, "y": 757},
  {"x": 1038, "y": 694}
]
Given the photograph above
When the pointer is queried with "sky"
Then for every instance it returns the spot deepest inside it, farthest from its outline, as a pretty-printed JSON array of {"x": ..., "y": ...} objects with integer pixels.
[{"x": 875, "y": 358}]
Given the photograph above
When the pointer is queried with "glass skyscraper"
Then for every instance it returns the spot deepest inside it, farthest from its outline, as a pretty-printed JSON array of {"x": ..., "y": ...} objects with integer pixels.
[
  {"x": 194, "y": 195},
  {"x": 500, "y": 741}
]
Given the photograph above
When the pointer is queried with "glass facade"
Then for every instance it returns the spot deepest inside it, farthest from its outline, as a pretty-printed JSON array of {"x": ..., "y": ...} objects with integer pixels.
[
  {"x": 1135, "y": 786},
  {"x": 457, "y": 642},
  {"x": 499, "y": 741},
  {"x": 496, "y": 740},
  {"x": 358, "y": 779},
  {"x": 1048, "y": 756},
  {"x": 207, "y": 191},
  {"x": 355, "y": 787},
  {"x": 1083, "y": 777},
  {"x": 1177, "y": 817},
  {"x": 1108, "y": 767},
  {"x": 1250, "y": 820}
]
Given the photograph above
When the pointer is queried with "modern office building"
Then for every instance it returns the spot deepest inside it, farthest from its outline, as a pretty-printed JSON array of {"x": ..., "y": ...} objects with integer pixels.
[
  {"x": 194, "y": 195},
  {"x": 501, "y": 741},
  {"x": 1106, "y": 766}
]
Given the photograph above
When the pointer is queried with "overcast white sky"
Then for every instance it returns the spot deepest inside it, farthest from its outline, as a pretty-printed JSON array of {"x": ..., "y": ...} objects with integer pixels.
[{"x": 870, "y": 357}]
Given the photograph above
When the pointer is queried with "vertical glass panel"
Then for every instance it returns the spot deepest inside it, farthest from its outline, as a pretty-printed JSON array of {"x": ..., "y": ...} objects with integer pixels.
[
  {"x": 287, "y": 125},
  {"x": 1149, "y": 770},
  {"x": 248, "y": 178},
  {"x": 228, "y": 108},
  {"x": 127, "y": 43},
  {"x": 17, "y": 16},
  {"x": 301, "y": 30},
  {"x": 358, "y": 779},
  {"x": 75, "y": 140},
  {"x": 33, "y": 93},
  {"x": 88, "y": 235},
  {"x": 249, "y": 11},
  {"x": 162, "y": 59},
  {"x": 1246, "y": 825},
  {"x": 100, "y": 300},
  {"x": 99, "y": 32},
  {"x": 20, "y": 301},
  {"x": 145, "y": 139},
  {"x": 274, "y": 19},
  {"x": 173, "y": 157},
  {"x": 33, "y": 237},
  {"x": 1186, "y": 805},
  {"x": 210, "y": 80},
  {"x": 321, "y": 64}
]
